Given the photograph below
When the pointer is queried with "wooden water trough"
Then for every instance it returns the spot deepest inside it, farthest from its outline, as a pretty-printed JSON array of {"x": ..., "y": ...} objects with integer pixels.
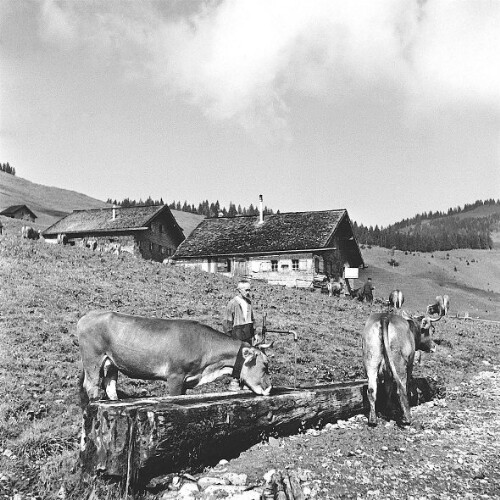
[{"x": 142, "y": 438}]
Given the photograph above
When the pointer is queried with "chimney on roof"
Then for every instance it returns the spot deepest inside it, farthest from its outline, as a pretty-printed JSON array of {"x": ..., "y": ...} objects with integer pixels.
[
  {"x": 114, "y": 212},
  {"x": 261, "y": 210}
]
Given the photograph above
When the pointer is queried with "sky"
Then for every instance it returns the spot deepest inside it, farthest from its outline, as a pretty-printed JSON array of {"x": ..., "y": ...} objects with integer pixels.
[{"x": 388, "y": 108}]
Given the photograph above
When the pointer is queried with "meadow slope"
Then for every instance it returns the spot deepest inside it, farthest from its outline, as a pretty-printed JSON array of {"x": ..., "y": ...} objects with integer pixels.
[
  {"x": 45, "y": 289},
  {"x": 47, "y": 202},
  {"x": 470, "y": 277}
]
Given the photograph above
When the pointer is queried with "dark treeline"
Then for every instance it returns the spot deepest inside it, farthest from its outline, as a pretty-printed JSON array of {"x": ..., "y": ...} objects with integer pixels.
[
  {"x": 204, "y": 208},
  {"x": 429, "y": 232},
  {"x": 5, "y": 167}
]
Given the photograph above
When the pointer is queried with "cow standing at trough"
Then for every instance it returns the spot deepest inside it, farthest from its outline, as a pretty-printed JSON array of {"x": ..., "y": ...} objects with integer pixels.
[
  {"x": 389, "y": 345},
  {"x": 184, "y": 353}
]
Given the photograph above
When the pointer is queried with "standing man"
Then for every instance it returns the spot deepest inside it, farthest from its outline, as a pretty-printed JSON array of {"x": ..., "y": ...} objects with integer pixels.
[
  {"x": 367, "y": 291},
  {"x": 239, "y": 318}
]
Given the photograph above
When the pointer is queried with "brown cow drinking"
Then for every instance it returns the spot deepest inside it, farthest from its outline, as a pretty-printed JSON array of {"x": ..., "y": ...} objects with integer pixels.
[{"x": 184, "y": 353}]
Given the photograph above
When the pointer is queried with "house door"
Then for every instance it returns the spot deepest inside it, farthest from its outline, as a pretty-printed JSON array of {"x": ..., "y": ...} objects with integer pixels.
[{"x": 240, "y": 267}]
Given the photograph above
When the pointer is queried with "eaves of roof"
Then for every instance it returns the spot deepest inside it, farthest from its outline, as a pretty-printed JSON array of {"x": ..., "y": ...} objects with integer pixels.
[
  {"x": 255, "y": 254},
  {"x": 105, "y": 231}
]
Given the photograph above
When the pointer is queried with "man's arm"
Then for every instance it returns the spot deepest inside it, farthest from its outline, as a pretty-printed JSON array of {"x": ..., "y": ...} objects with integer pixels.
[{"x": 228, "y": 321}]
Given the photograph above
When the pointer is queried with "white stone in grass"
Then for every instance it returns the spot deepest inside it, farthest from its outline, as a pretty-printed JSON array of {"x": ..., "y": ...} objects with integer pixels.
[
  {"x": 188, "y": 491},
  {"x": 269, "y": 475},
  {"x": 205, "y": 482},
  {"x": 235, "y": 479}
]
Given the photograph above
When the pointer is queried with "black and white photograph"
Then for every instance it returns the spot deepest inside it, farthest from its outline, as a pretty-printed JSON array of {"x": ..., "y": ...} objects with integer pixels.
[{"x": 249, "y": 249}]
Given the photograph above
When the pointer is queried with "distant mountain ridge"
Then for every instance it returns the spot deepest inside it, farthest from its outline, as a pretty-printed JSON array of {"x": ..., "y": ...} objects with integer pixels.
[{"x": 47, "y": 202}]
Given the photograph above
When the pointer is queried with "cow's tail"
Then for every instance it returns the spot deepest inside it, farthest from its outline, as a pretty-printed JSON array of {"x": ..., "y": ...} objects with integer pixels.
[
  {"x": 389, "y": 360},
  {"x": 84, "y": 398}
]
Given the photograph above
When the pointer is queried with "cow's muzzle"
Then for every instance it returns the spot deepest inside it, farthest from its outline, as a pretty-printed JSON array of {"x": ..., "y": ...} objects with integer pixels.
[{"x": 267, "y": 392}]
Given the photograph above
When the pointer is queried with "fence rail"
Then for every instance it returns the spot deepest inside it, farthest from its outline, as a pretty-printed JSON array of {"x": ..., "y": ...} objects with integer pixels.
[{"x": 467, "y": 317}]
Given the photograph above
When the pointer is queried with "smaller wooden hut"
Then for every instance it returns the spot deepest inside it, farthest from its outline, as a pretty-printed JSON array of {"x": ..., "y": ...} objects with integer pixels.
[
  {"x": 148, "y": 231},
  {"x": 19, "y": 212}
]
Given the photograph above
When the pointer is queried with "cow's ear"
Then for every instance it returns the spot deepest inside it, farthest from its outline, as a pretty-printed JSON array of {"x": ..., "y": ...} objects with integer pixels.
[{"x": 248, "y": 353}]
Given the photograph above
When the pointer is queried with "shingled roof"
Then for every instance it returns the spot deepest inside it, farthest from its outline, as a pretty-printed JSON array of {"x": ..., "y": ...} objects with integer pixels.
[
  {"x": 101, "y": 220},
  {"x": 285, "y": 232}
]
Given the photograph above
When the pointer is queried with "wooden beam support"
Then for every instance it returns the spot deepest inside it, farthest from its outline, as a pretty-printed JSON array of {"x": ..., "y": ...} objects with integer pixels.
[{"x": 138, "y": 439}]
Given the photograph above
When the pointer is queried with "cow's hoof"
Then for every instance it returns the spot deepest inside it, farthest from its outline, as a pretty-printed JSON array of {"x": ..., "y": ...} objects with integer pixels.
[
  {"x": 234, "y": 386},
  {"x": 372, "y": 423}
]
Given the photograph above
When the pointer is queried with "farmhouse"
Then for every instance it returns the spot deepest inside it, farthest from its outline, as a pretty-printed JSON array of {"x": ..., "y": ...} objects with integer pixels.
[
  {"x": 19, "y": 212},
  {"x": 153, "y": 232},
  {"x": 291, "y": 249}
]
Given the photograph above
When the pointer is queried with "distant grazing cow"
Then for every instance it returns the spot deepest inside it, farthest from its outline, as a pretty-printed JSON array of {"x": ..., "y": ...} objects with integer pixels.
[
  {"x": 389, "y": 345},
  {"x": 92, "y": 244},
  {"x": 440, "y": 306},
  {"x": 30, "y": 233},
  {"x": 335, "y": 288},
  {"x": 396, "y": 299},
  {"x": 184, "y": 353}
]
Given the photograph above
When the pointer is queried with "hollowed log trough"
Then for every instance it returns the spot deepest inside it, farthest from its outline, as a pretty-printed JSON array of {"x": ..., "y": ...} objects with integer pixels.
[{"x": 143, "y": 438}]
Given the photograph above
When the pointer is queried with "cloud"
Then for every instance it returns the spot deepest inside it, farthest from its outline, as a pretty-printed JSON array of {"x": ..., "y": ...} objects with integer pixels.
[
  {"x": 57, "y": 24},
  {"x": 242, "y": 60},
  {"x": 456, "y": 51}
]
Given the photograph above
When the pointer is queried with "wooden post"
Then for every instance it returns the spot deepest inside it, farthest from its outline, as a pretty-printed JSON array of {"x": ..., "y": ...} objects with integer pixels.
[{"x": 140, "y": 438}]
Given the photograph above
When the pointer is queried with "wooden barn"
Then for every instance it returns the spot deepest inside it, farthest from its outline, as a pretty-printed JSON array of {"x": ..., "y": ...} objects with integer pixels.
[
  {"x": 19, "y": 212},
  {"x": 153, "y": 232},
  {"x": 291, "y": 249}
]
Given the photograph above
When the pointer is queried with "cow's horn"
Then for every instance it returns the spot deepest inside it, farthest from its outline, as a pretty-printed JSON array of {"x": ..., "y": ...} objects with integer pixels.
[
  {"x": 432, "y": 320},
  {"x": 264, "y": 346}
]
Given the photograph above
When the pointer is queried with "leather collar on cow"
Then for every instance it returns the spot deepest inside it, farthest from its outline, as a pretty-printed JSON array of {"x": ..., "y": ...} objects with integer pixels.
[{"x": 238, "y": 365}]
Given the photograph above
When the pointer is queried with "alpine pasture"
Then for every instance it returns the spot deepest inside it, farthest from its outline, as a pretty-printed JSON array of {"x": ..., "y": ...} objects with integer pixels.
[{"x": 45, "y": 289}]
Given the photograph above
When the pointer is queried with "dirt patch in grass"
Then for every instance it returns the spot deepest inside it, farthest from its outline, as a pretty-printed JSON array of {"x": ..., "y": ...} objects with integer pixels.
[{"x": 45, "y": 289}]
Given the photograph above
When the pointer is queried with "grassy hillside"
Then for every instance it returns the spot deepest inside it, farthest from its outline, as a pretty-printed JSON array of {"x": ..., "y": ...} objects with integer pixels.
[
  {"x": 47, "y": 288},
  {"x": 470, "y": 277},
  {"x": 48, "y": 203}
]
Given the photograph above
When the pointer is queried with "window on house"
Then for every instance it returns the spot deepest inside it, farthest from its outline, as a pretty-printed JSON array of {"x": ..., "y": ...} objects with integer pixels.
[
  {"x": 295, "y": 264},
  {"x": 224, "y": 266},
  {"x": 285, "y": 267},
  {"x": 162, "y": 228},
  {"x": 274, "y": 265}
]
